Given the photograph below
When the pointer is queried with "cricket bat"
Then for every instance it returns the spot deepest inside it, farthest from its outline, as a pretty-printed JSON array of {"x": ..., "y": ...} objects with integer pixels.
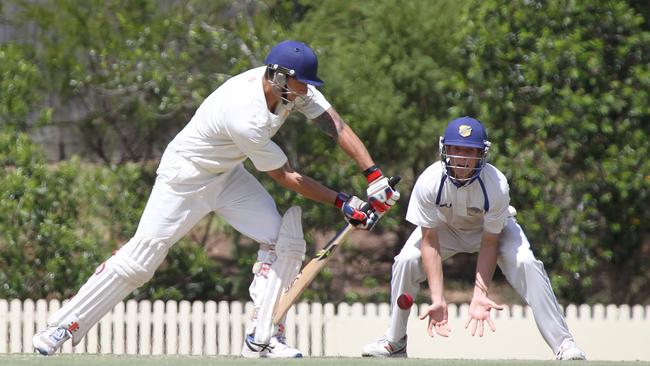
[
  {"x": 308, "y": 273},
  {"x": 311, "y": 270}
]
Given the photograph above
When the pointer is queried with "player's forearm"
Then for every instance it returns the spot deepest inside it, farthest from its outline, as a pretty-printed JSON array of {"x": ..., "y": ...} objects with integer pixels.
[
  {"x": 303, "y": 185},
  {"x": 486, "y": 264},
  {"x": 432, "y": 264},
  {"x": 312, "y": 189},
  {"x": 354, "y": 148}
]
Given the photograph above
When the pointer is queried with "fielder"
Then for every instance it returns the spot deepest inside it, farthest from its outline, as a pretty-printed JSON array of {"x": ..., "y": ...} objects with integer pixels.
[
  {"x": 461, "y": 204},
  {"x": 201, "y": 171}
]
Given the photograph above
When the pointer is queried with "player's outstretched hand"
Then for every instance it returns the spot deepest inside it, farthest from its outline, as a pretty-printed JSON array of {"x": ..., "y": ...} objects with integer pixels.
[
  {"x": 438, "y": 319},
  {"x": 479, "y": 313}
]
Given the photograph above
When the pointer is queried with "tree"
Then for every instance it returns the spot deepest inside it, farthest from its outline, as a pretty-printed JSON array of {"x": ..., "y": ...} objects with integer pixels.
[
  {"x": 135, "y": 71},
  {"x": 18, "y": 79}
]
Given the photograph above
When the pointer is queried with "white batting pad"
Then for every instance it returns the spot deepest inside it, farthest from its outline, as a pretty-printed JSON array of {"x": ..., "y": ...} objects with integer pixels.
[
  {"x": 291, "y": 242},
  {"x": 290, "y": 251},
  {"x": 132, "y": 266}
]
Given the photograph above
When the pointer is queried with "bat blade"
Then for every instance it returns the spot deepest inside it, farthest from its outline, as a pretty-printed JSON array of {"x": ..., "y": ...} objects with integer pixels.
[{"x": 308, "y": 273}]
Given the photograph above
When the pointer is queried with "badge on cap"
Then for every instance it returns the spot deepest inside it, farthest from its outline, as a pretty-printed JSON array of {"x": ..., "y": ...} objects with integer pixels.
[{"x": 465, "y": 130}]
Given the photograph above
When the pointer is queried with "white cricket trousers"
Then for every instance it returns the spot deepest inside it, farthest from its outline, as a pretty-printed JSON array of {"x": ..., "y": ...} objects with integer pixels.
[
  {"x": 181, "y": 196},
  {"x": 515, "y": 259},
  {"x": 175, "y": 206}
]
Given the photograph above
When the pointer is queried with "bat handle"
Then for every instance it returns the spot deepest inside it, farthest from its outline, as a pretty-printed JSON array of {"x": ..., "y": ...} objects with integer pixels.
[{"x": 392, "y": 182}]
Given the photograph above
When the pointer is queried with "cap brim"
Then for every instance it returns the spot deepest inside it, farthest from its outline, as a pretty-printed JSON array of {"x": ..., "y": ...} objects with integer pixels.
[
  {"x": 463, "y": 144},
  {"x": 315, "y": 82}
]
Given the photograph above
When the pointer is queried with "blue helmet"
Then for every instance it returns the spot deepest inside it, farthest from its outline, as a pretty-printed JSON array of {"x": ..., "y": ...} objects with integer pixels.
[
  {"x": 295, "y": 59},
  {"x": 465, "y": 132}
]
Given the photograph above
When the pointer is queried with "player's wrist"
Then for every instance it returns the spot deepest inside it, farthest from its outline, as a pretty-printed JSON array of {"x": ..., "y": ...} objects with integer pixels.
[
  {"x": 373, "y": 173},
  {"x": 437, "y": 301},
  {"x": 341, "y": 198},
  {"x": 480, "y": 288}
]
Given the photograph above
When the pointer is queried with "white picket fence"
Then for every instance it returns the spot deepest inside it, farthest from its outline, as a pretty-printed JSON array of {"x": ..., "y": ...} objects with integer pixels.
[{"x": 210, "y": 328}]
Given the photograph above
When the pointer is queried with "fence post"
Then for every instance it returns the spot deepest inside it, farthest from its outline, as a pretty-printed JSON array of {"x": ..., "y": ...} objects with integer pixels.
[
  {"x": 316, "y": 329},
  {"x": 197, "y": 328},
  {"x": 158, "y": 337},
  {"x": 184, "y": 321},
  {"x": 236, "y": 310},
  {"x": 171, "y": 328},
  {"x": 118, "y": 329},
  {"x": 210, "y": 328},
  {"x": 223, "y": 347},
  {"x": 28, "y": 325},
  {"x": 328, "y": 315},
  {"x": 4, "y": 314},
  {"x": 304, "y": 324},
  {"x": 144, "y": 321},
  {"x": 15, "y": 309},
  {"x": 131, "y": 327},
  {"x": 92, "y": 339}
]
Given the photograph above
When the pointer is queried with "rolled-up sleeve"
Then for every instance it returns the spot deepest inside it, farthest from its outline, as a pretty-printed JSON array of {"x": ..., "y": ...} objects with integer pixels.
[{"x": 316, "y": 105}]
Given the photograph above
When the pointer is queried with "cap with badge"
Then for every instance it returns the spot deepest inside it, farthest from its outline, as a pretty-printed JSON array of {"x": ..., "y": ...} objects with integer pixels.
[{"x": 465, "y": 131}]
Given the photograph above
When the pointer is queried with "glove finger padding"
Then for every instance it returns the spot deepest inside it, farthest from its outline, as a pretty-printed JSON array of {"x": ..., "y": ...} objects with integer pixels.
[
  {"x": 371, "y": 221},
  {"x": 381, "y": 195},
  {"x": 355, "y": 211}
]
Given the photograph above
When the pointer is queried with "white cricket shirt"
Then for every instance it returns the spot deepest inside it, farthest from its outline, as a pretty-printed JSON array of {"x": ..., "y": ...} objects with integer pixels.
[
  {"x": 234, "y": 124},
  {"x": 481, "y": 205}
]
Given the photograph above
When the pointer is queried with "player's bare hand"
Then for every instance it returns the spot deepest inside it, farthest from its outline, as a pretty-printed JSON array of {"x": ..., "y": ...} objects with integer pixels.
[
  {"x": 479, "y": 313},
  {"x": 438, "y": 319}
]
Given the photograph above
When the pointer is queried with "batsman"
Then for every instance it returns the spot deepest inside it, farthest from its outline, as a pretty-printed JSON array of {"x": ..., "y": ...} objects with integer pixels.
[{"x": 201, "y": 171}]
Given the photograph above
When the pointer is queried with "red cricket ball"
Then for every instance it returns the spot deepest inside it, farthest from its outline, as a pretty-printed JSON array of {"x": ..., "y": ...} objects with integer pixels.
[{"x": 404, "y": 301}]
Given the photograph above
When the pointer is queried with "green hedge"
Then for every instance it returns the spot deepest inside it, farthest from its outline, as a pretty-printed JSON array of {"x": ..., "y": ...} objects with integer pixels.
[{"x": 58, "y": 223}]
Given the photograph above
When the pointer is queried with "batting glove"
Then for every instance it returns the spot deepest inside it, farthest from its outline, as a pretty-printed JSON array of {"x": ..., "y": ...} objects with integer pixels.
[
  {"x": 356, "y": 211},
  {"x": 381, "y": 195}
]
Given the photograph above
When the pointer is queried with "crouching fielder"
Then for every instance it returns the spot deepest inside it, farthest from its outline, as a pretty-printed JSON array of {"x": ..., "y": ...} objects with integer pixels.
[
  {"x": 202, "y": 171},
  {"x": 461, "y": 205}
]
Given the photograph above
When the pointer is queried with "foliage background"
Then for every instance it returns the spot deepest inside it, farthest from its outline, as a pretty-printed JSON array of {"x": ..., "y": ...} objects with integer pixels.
[{"x": 562, "y": 86}]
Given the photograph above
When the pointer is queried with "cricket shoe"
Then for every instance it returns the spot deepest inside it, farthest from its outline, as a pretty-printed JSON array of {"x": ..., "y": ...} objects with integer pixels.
[
  {"x": 48, "y": 341},
  {"x": 277, "y": 348},
  {"x": 385, "y": 348},
  {"x": 280, "y": 348},
  {"x": 569, "y": 351}
]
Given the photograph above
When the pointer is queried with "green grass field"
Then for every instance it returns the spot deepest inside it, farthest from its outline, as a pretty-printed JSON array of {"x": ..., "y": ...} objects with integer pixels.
[{"x": 109, "y": 360}]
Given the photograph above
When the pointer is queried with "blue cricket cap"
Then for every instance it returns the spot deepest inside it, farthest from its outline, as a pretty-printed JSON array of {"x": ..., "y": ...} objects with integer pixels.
[
  {"x": 296, "y": 56},
  {"x": 465, "y": 131}
]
